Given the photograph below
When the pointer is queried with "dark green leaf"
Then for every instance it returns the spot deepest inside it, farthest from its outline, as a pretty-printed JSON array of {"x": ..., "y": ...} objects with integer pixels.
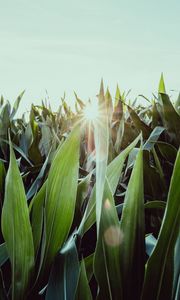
[
  {"x": 159, "y": 271},
  {"x": 64, "y": 275},
  {"x": 3, "y": 254},
  {"x": 83, "y": 291}
]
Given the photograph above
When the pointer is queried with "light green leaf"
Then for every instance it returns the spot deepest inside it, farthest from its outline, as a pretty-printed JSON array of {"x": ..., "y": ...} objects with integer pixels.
[
  {"x": 107, "y": 253},
  {"x": 132, "y": 227},
  {"x": 101, "y": 137},
  {"x": 17, "y": 231},
  {"x": 113, "y": 174},
  {"x": 60, "y": 200},
  {"x": 161, "y": 88}
]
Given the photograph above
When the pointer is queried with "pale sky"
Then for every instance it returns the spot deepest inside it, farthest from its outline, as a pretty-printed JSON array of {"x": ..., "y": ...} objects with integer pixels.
[{"x": 70, "y": 45}]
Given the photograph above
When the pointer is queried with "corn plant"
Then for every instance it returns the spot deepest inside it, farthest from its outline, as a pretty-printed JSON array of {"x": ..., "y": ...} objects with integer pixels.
[{"x": 110, "y": 231}]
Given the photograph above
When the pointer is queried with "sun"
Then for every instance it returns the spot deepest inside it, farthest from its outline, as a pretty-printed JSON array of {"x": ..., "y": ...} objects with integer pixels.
[{"x": 91, "y": 111}]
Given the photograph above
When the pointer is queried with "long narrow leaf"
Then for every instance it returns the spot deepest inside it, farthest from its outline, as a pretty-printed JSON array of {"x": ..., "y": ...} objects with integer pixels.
[
  {"x": 64, "y": 275},
  {"x": 107, "y": 254},
  {"x": 17, "y": 231},
  {"x": 83, "y": 291},
  {"x": 132, "y": 226},
  {"x": 113, "y": 174},
  {"x": 61, "y": 196},
  {"x": 159, "y": 271}
]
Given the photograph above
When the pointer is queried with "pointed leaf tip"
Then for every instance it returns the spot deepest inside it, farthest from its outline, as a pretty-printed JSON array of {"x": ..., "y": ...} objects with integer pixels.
[{"x": 162, "y": 88}]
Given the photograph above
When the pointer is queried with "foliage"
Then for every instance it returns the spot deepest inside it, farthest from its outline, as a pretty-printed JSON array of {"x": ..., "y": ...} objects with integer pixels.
[{"x": 91, "y": 213}]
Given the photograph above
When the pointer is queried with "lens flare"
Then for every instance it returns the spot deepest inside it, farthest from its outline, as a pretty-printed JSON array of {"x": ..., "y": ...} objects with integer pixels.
[
  {"x": 113, "y": 236},
  {"x": 91, "y": 111}
]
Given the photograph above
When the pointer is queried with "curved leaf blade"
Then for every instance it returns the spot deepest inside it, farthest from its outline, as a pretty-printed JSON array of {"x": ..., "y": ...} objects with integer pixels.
[{"x": 60, "y": 200}]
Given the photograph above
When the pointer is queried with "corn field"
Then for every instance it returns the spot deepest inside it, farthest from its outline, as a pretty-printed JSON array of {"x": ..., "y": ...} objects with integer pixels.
[{"x": 90, "y": 208}]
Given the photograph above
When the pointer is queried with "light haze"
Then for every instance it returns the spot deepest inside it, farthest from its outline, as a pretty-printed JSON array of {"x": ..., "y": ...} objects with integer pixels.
[{"x": 70, "y": 45}]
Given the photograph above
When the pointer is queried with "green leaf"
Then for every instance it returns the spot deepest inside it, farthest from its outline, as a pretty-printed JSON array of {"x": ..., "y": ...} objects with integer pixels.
[
  {"x": 132, "y": 227},
  {"x": 89, "y": 266},
  {"x": 107, "y": 253},
  {"x": 83, "y": 291},
  {"x": 37, "y": 212},
  {"x": 26, "y": 139},
  {"x": 2, "y": 179},
  {"x": 131, "y": 158},
  {"x": 171, "y": 118},
  {"x": 159, "y": 271},
  {"x": 177, "y": 104},
  {"x": 155, "y": 204},
  {"x": 101, "y": 97},
  {"x": 34, "y": 151},
  {"x": 176, "y": 279},
  {"x": 82, "y": 190},
  {"x": 120, "y": 134},
  {"x": 82, "y": 193},
  {"x": 156, "y": 116},
  {"x": 118, "y": 106},
  {"x": 64, "y": 275},
  {"x": 16, "y": 105},
  {"x": 18, "y": 149},
  {"x": 60, "y": 200},
  {"x": 3, "y": 294},
  {"x": 168, "y": 151},
  {"x": 46, "y": 141},
  {"x": 17, "y": 231},
  {"x": 79, "y": 101},
  {"x": 154, "y": 136},
  {"x": 139, "y": 124},
  {"x": 161, "y": 88},
  {"x": 3, "y": 254},
  {"x": 118, "y": 95},
  {"x": 37, "y": 183},
  {"x": 150, "y": 244},
  {"x": 113, "y": 174},
  {"x": 114, "y": 169},
  {"x": 109, "y": 104},
  {"x": 101, "y": 137},
  {"x": 153, "y": 187}
]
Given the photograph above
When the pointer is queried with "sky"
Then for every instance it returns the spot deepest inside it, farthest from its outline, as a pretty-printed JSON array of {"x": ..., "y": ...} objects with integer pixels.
[{"x": 66, "y": 46}]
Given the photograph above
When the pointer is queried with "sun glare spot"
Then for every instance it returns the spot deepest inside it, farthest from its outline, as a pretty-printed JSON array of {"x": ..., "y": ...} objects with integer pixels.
[
  {"x": 113, "y": 236},
  {"x": 107, "y": 204},
  {"x": 91, "y": 111}
]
